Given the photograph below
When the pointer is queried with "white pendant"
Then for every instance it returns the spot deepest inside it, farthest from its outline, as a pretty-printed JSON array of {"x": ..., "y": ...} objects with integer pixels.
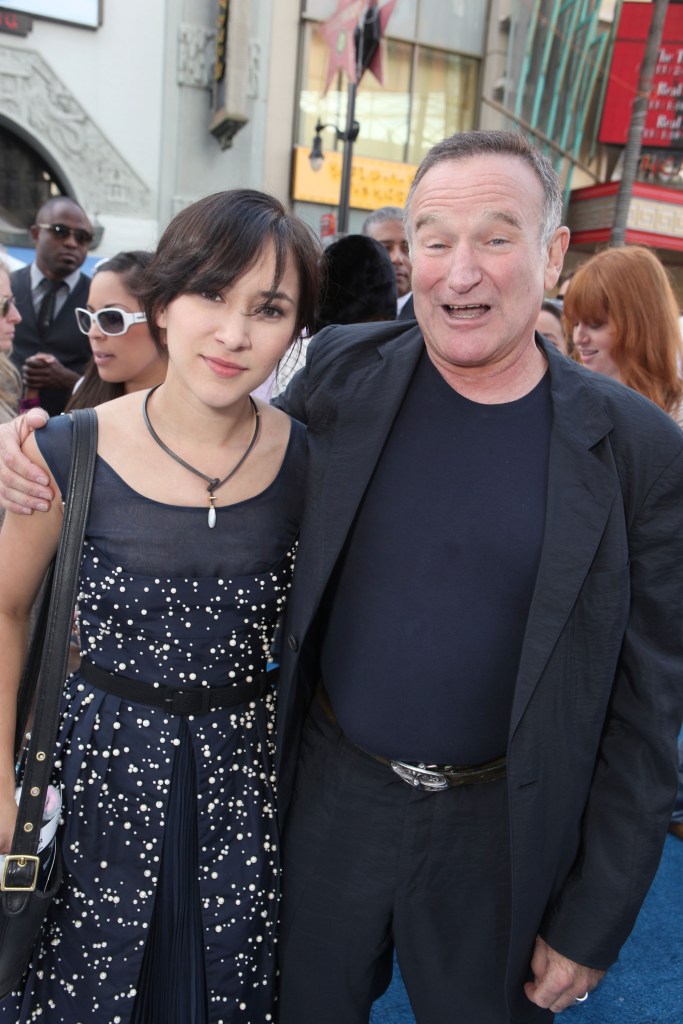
[{"x": 212, "y": 517}]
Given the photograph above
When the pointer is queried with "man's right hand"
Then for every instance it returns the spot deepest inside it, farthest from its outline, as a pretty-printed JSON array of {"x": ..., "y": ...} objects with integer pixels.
[
  {"x": 23, "y": 485},
  {"x": 45, "y": 371}
]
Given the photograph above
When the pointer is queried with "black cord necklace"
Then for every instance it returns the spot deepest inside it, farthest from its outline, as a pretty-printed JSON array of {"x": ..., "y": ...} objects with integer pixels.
[{"x": 213, "y": 482}]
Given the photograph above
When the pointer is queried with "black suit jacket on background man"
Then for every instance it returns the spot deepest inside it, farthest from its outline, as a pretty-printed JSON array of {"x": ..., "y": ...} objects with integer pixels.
[
  {"x": 63, "y": 340},
  {"x": 407, "y": 310},
  {"x": 597, "y": 707}
]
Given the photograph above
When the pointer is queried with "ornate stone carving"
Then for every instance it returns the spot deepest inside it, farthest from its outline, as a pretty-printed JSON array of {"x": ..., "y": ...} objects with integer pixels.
[
  {"x": 254, "y": 70},
  {"x": 34, "y": 99},
  {"x": 195, "y": 56}
]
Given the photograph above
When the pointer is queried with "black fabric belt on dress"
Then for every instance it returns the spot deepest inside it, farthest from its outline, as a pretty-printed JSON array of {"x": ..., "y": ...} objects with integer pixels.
[
  {"x": 197, "y": 700},
  {"x": 426, "y": 777}
]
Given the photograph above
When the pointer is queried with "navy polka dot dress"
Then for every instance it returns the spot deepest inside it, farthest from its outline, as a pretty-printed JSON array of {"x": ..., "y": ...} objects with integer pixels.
[{"x": 168, "y": 909}]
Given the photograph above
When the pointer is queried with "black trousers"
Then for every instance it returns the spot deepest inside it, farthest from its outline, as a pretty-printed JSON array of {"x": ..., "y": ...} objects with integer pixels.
[{"x": 372, "y": 865}]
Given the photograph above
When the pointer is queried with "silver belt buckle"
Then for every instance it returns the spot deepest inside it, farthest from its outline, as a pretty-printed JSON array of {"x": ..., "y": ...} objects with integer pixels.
[{"x": 419, "y": 777}]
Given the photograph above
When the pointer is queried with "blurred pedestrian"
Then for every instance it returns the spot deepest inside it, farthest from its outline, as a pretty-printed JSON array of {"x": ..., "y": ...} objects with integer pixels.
[
  {"x": 49, "y": 350},
  {"x": 360, "y": 283},
  {"x": 551, "y": 325},
  {"x": 622, "y": 314},
  {"x": 386, "y": 227},
  {"x": 10, "y": 381},
  {"x": 563, "y": 284},
  {"x": 359, "y": 287},
  {"x": 125, "y": 355}
]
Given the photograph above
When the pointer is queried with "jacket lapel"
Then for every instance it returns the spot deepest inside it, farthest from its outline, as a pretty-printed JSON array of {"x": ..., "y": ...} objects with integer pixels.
[
  {"x": 366, "y": 407},
  {"x": 582, "y": 487},
  {"x": 22, "y": 288}
]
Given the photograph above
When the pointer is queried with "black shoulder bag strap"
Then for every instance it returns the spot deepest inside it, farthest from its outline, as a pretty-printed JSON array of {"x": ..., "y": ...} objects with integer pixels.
[{"x": 46, "y": 665}]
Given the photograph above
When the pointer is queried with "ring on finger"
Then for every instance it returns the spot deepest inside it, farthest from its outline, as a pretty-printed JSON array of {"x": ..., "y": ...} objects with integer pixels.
[{"x": 581, "y": 999}]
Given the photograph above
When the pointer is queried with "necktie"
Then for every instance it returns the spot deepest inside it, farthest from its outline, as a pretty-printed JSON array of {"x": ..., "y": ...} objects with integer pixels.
[{"x": 46, "y": 312}]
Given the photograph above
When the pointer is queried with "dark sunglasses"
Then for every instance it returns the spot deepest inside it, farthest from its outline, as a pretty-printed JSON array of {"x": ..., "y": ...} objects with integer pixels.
[
  {"x": 80, "y": 236},
  {"x": 6, "y": 304},
  {"x": 110, "y": 320}
]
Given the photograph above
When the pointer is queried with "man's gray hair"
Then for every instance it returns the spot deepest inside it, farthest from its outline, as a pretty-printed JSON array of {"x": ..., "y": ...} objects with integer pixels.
[
  {"x": 464, "y": 145},
  {"x": 380, "y": 216}
]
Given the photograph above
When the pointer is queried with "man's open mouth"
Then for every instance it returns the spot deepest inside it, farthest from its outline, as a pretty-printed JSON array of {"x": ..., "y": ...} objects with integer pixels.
[{"x": 468, "y": 312}]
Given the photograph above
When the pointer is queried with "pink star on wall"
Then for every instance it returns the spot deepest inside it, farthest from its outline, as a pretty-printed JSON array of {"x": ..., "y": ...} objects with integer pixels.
[{"x": 339, "y": 30}]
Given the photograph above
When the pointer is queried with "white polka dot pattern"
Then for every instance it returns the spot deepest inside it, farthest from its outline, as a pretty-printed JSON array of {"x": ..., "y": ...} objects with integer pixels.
[{"x": 115, "y": 761}]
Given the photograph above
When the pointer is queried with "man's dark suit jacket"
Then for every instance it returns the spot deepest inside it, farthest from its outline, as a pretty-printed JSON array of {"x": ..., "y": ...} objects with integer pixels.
[
  {"x": 597, "y": 707},
  {"x": 407, "y": 310},
  {"x": 63, "y": 340}
]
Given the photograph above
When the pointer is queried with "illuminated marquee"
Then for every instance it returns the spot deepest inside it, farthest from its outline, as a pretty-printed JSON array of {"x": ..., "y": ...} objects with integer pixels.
[
  {"x": 664, "y": 120},
  {"x": 374, "y": 183}
]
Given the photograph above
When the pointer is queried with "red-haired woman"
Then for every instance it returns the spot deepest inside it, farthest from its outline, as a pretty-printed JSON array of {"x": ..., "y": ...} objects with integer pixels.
[{"x": 622, "y": 315}]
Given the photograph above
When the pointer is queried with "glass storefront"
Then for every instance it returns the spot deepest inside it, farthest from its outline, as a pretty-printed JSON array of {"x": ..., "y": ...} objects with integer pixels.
[{"x": 428, "y": 92}]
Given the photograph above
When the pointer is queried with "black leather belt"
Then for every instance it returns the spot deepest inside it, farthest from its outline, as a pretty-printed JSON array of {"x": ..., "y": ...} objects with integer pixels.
[
  {"x": 197, "y": 700},
  {"x": 427, "y": 777}
]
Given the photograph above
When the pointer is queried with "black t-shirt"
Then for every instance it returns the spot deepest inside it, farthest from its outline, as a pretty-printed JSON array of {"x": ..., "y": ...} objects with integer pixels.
[{"x": 432, "y": 593}]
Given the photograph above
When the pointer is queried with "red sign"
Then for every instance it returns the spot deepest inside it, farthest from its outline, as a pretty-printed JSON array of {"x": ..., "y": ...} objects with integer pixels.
[
  {"x": 15, "y": 24},
  {"x": 664, "y": 120},
  {"x": 328, "y": 225}
]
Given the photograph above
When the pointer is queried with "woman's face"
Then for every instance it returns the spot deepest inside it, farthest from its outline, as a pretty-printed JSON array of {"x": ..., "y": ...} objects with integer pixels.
[
  {"x": 594, "y": 343},
  {"x": 131, "y": 359},
  {"x": 224, "y": 345},
  {"x": 551, "y": 328},
  {"x": 13, "y": 317}
]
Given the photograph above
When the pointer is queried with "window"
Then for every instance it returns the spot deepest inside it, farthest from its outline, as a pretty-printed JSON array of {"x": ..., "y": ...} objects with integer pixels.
[
  {"x": 26, "y": 182},
  {"x": 427, "y": 94}
]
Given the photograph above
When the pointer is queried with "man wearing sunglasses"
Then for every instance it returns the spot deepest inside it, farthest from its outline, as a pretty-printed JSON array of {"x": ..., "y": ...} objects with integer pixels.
[{"x": 49, "y": 349}]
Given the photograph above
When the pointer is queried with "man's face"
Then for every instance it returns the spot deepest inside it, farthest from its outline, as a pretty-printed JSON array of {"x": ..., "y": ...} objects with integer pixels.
[
  {"x": 389, "y": 233},
  {"x": 479, "y": 270},
  {"x": 57, "y": 257}
]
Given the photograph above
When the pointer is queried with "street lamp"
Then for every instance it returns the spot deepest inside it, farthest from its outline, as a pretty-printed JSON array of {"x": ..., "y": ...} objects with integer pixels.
[
  {"x": 316, "y": 156},
  {"x": 366, "y": 38},
  {"x": 348, "y": 137}
]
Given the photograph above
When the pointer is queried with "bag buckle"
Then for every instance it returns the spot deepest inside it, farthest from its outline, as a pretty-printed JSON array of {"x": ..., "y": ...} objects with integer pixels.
[{"x": 21, "y": 861}]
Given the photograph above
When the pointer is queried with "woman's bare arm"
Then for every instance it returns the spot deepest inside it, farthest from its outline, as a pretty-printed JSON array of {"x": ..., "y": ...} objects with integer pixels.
[{"x": 27, "y": 545}]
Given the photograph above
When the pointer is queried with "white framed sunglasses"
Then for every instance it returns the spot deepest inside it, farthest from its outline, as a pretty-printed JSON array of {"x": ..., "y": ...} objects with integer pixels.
[{"x": 110, "y": 320}]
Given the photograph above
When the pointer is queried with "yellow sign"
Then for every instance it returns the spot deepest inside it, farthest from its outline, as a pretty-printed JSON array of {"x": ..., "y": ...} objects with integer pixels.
[{"x": 374, "y": 183}]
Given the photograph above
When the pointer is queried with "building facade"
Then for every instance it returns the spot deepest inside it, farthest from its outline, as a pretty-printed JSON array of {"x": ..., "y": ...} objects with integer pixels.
[
  {"x": 136, "y": 109},
  {"x": 152, "y": 106}
]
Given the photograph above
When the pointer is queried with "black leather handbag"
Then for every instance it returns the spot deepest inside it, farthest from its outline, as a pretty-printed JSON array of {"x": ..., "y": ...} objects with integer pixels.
[{"x": 30, "y": 880}]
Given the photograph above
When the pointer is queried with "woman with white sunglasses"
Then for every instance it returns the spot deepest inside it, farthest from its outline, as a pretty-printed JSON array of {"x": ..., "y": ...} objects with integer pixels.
[{"x": 125, "y": 356}]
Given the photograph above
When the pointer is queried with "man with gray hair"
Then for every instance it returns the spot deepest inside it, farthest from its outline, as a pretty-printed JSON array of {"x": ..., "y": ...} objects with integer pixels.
[
  {"x": 386, "y": 227},
  {"x": 484, "y": 649}
]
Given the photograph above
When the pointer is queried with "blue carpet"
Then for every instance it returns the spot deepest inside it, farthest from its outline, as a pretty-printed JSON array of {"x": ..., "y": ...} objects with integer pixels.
[{"x": 644, "y": 987}]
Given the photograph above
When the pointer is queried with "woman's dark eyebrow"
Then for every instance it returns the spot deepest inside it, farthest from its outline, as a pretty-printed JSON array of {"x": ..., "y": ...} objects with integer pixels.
[{"x": 277, "y": 295}]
